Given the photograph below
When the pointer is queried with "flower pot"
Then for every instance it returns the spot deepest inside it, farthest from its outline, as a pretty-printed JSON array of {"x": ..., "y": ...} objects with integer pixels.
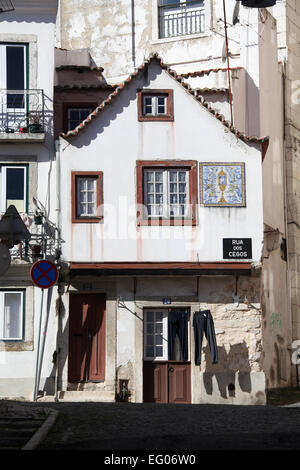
[{"x": 35, "y": 128}]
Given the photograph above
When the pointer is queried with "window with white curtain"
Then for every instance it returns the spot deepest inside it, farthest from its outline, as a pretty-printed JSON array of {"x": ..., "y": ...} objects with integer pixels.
[
  {"x": 11, "y": 315},
  {"x": 166, "y": 192}
]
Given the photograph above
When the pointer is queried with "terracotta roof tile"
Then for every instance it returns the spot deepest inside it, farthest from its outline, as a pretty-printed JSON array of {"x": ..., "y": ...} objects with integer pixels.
[
  {"x": 179, "y": 78},
  {"x": 201, "y": 73}
]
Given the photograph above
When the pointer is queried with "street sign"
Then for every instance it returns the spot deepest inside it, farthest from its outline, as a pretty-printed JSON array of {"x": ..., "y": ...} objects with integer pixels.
[
  {"x": 44, "y": 274},
  {"x": 237, "y": 248}
]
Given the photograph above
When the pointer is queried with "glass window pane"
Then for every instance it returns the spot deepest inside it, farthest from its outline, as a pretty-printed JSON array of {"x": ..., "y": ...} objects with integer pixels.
[
  {"x": 82, "y": 196},
  {"x": 150, "y": 328},
  {"x": 150, "y": 175},
  {"x": 182, "y": 175},
  {"x": 158, "y": 176},
  {"x": 159, "y": 187},
  {"x": 150, "y": 316},
  {"x": 82, "y": 209},
  {"x": 90, "y": 184},
  {"x": 159, "y": 316},
  {"x": 158, "y": 327},
  {"x": 150, "y": 351},
  {"x": 82, "y": 184},
  {"x": 12, "y": 315},
  {"x": 150, "y": 187},
  {"x": 158, "y": 340},
  {"x": 15, "y": 68},
  {"x": 150, "y": 340},
  {"x": 91, "y": 209},
  {"x": 158, "y": 351},
  {"x": 173, "y": 176},
  {"x": 91, "y": 196}
]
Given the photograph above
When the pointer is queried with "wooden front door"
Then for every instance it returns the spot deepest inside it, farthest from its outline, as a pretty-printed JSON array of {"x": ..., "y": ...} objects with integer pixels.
[
  {"x": 86, "y": 338},
  {"x": 165, "y": 381}
]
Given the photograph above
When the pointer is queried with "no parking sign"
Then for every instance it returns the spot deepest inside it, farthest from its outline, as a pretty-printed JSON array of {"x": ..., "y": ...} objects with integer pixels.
[{"x": 44, "y": 274}]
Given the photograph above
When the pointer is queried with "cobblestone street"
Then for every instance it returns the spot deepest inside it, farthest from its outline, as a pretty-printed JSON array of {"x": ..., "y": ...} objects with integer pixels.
[{"x": 125, "y": 426}]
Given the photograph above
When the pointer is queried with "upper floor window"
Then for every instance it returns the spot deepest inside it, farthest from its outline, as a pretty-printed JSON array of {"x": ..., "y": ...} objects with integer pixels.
[
  {"x": 155, "y": 105},
  {"x": 13, "y": 74},
  {"x": 87, "y": 196},
  {"x": 167, "y": 192},
  {"x": 13, "y": 187},
  {"x": 11, "y": 315},
  {"x": 180, "y": 18},
  {"x": 75, "y": 113}
]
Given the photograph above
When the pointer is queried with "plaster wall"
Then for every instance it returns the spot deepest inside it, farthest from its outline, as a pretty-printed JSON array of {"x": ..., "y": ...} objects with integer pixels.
[{"x": 201, "y": 137}]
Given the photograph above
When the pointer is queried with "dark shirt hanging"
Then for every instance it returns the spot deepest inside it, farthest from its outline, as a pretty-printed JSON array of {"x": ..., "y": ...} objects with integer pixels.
[
  {"x": 178, "y": 324},
  {"x": 203, "y": 323}
]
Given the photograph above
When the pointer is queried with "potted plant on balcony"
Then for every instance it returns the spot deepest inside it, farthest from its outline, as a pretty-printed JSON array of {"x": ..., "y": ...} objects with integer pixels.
[{"x": 34, "y": 125}]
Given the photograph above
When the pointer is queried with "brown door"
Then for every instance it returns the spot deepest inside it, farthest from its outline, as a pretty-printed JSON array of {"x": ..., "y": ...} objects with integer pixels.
[
  {"x": 165, "y": 381},
  {"x": 86, "y": 338},
  {"x": 168, "y": 382}
]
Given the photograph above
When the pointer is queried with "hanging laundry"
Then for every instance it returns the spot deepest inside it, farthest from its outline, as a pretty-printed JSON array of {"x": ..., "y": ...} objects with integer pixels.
[
  {"x": 178, "y": 324},
  {"x": 203, "y": 323}
]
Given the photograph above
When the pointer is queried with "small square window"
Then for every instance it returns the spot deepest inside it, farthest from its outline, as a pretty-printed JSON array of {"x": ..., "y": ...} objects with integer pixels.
[
  {"x": 155, "y": 105},
  {"x": 11, "y": 315},
  {"x": 87, "y": 196},
  {"x": 75, "y": 113}
]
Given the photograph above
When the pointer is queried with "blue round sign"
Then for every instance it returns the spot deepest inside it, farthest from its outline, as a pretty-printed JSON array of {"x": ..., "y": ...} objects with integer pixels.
[{"x": 44, "y": 274}]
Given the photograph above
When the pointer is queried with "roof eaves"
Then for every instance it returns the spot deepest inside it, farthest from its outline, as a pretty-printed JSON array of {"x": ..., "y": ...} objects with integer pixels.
[{"x": 180, "y": 79}]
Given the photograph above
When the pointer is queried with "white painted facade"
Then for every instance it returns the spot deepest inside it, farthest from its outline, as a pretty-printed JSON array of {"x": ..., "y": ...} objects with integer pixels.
[
  {"x": 31, "y": 23},
  {"x": 112, "y": 143},
  {"x": 195, "y": 134}
]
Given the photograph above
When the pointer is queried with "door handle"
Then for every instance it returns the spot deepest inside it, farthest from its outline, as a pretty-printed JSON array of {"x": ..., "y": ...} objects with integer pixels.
[{"x": 171, "y": 369}]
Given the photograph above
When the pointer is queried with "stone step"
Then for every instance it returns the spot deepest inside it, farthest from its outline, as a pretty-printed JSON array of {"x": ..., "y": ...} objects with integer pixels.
[{"x": 98, "y": 396}]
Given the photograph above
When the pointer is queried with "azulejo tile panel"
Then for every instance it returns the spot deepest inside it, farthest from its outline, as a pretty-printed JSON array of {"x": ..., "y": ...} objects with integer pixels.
[{"x": 222, "y": 184}]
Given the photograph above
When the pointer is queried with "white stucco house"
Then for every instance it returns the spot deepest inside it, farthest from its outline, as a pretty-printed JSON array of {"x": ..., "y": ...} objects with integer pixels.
[
  {"x": 27, "y": 172},
  {"x": 162, "y": 223}
]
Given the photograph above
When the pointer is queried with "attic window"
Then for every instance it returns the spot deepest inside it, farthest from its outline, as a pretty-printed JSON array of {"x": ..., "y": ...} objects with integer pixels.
[{"x": 155, "y": 105}]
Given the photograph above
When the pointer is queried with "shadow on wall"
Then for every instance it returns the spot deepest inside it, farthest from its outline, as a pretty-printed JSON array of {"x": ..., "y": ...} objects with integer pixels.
[
  {"x": 116, "y": 106},
  {"x": 231, "y": 364}
]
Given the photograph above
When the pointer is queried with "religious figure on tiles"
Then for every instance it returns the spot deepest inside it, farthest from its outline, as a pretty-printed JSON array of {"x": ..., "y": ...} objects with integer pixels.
[{"x": 222, "y": 184}]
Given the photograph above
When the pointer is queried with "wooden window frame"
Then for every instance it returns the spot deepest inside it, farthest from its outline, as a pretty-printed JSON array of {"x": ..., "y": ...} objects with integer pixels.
[
  {"x": 99, "y": 185},
  {"x": 75, "y": 104},
  {"x": 190, "y": 165},
  {"x": 169, "y": 116}
]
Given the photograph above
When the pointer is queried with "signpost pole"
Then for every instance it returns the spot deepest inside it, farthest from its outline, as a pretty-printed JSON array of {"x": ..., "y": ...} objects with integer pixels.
[{"x": 36, "y": 383}]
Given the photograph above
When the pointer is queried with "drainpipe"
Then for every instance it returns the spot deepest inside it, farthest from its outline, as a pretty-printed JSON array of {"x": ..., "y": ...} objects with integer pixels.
[
  {"x": 133, "y": 34},
  {"x": 288, "y": 280},
  {"x": 58, "y": 234}
]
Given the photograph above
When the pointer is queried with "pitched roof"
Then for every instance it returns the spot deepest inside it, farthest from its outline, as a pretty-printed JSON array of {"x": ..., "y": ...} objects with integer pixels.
[{"x": 178, "y": 78}]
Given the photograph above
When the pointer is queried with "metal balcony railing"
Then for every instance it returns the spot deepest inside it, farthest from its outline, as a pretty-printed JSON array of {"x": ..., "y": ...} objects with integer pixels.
[
  {"x": 22, "y": 111},
  {"x": 179, "y": 19}
]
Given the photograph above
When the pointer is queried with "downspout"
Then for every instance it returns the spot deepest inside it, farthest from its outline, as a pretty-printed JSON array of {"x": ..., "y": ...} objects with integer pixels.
[
  {"x": 288, "y": 280},
  {"x": 58, "y": 253},
  {"x": 133, "y": 34}
]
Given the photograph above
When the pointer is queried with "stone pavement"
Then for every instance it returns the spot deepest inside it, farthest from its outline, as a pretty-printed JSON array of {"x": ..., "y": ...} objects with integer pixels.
[
  {"x": 23, "y": 425},
  {"x": 129, "y": 426}
]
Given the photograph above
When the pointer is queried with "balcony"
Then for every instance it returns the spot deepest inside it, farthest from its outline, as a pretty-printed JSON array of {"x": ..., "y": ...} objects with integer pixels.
[
  {"x": 180, "y": 19},
  {"x": 22, "y": 116}
]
